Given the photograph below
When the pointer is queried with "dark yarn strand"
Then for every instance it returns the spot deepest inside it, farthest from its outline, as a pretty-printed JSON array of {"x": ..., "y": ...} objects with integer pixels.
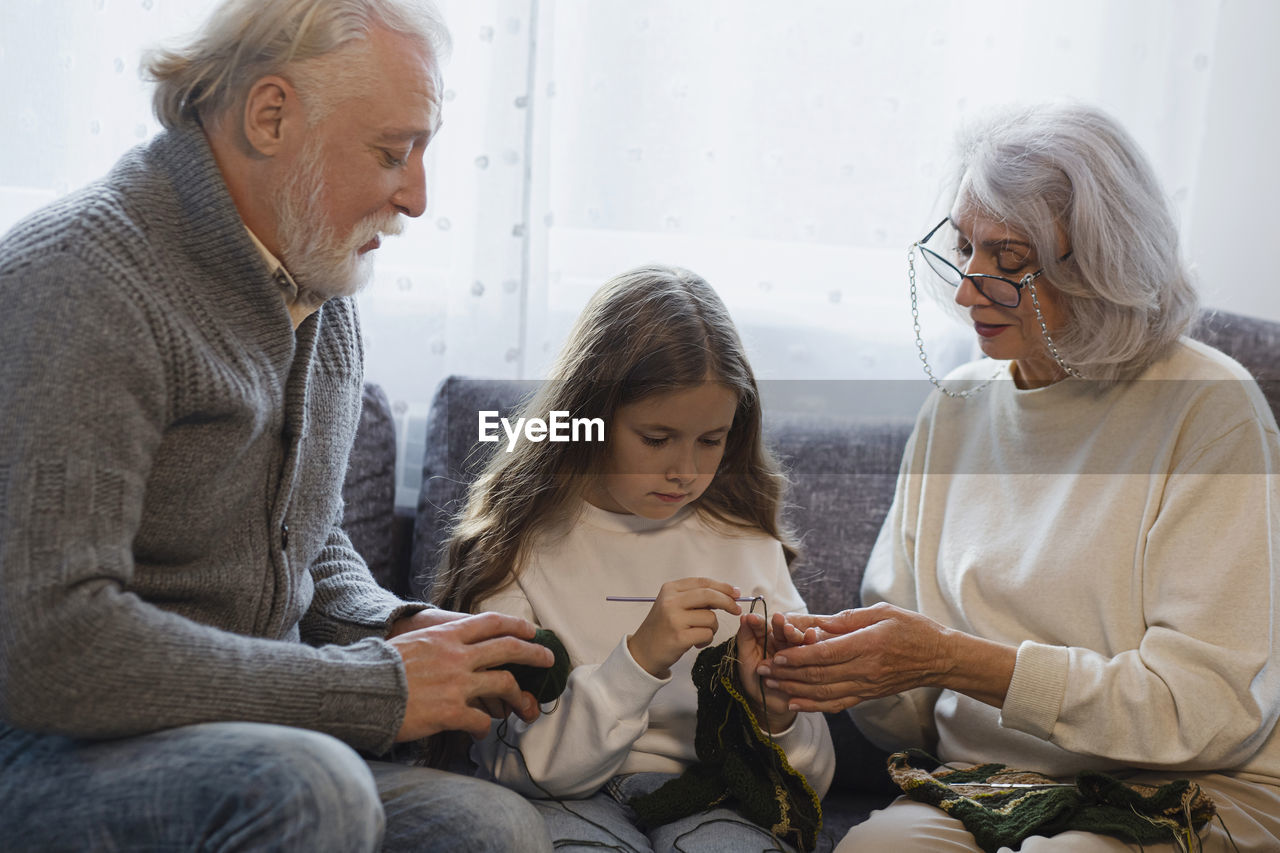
[
  {"x": 546, "y": 684},
  {"x": 501, "y": 733}
]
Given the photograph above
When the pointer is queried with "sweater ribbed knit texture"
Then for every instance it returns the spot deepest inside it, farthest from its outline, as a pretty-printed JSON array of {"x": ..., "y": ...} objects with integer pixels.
[{"x": 170, "y": 474}]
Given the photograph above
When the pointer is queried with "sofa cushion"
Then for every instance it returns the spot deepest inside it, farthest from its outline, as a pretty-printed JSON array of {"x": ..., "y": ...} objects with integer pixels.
[
  {"x": 1253, "y": 342},
  {"x": 452, "y": 460},
  {"x": 369, "y": 490},
  {"x": 842, "y": 472}
]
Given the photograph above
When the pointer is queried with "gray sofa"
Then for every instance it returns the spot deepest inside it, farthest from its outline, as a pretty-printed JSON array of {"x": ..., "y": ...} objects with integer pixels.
[{"x": 842, "y": 463}]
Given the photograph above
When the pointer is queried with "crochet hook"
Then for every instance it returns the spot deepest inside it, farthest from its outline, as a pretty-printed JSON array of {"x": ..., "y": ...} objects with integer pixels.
[
  {"x": 1015, "y": 784},
  {"x": 653, "y": 598}
]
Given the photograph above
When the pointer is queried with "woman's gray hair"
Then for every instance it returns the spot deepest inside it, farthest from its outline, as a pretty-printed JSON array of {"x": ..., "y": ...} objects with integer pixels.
[
  {"x": 318, "y": 45},
  {"x": 1071, "y": 169}
]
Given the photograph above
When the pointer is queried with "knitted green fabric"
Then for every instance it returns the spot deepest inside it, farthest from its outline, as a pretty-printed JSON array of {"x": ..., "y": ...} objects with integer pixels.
[
  {"x": 545, "y": 683},
  {"x": 739, "y": 766},
  {"x": 1003, "y": 817}
]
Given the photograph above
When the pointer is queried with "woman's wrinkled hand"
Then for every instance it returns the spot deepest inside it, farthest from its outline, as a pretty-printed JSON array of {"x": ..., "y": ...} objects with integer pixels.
[{"x": 834, "y": 662}]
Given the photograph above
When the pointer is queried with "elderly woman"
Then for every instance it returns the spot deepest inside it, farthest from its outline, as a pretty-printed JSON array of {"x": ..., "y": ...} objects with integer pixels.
[{"x": 1079, "y": 568}]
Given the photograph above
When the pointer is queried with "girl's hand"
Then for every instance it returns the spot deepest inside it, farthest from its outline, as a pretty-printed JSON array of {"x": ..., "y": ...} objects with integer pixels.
[
  {"x": 756, "y": 646},
  {"x": 682, "y": 618},
  {"x": 786, "y": 633}
]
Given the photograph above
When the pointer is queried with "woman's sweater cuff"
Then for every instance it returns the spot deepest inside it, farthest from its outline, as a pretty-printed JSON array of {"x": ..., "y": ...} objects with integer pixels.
[{"x": 1036, "y": 690}]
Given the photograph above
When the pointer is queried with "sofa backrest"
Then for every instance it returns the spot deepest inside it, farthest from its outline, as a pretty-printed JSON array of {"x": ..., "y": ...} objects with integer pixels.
[
  {"x": 452, "y": 460},
  {"x": 1253, "y": 342},
  {"x": 369, "y": 489},
  {"x": 843, "y": 472},
  {"x": 842, "y": 468}
]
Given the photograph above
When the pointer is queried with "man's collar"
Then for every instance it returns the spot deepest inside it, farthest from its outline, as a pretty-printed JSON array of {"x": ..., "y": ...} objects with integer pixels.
[{"x": 278, "y": 272}]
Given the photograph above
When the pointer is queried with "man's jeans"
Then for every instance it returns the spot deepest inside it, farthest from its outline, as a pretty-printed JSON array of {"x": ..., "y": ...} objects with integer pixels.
[{"x": 243, "y": 786}]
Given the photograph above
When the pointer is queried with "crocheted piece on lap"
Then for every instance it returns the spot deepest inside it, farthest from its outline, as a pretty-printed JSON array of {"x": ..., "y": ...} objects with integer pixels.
[
  {"x": 739, "y": 766},
  {"x": 1039, "y": 805}
]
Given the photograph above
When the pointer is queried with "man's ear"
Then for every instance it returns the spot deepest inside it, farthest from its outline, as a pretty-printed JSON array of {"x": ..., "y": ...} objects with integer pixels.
[{"x": 272, "y": 112}]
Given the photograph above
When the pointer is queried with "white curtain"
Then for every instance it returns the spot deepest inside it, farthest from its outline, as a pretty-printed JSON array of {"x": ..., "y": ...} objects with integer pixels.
[
  {"x": 791, "y": 156},
  {"x": 787, "y": 152}
]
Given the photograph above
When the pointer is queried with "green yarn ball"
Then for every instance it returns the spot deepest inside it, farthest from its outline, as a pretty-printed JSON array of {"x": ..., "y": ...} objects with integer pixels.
[{"x": 545, "y": 683}]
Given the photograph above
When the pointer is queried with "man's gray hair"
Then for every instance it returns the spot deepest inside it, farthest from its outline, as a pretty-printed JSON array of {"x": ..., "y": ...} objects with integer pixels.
[
  {"x": 245, "y": 40},
  {"x": 1071, "y": 169}
]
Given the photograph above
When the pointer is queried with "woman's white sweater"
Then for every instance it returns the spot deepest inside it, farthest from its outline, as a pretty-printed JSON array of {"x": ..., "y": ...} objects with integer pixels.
[{"x": 1126, "y": 539}]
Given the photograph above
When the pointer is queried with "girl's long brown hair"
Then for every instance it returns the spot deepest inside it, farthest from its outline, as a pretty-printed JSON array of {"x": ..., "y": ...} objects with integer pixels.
[{"x": 651, "y": 330}]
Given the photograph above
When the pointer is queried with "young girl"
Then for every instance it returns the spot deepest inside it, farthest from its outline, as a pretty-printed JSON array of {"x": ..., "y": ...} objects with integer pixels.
[{"x": 681, "y": 502}]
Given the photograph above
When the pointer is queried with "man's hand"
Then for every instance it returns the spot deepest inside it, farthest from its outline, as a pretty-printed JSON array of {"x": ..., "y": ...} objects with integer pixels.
[
  {"x": 428, "y": 618},
  {"x": 838, "y": 661},
  {"x": 448, "y": 665}
]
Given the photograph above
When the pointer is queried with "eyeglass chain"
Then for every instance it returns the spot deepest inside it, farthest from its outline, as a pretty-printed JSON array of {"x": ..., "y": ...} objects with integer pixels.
[
  {"x": 1044, "y": 330},
  {"x": 924, "y": 360}
]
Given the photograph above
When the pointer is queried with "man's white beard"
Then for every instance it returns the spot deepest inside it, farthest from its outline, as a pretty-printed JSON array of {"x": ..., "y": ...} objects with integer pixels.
[{"x": 322, "y": 263}]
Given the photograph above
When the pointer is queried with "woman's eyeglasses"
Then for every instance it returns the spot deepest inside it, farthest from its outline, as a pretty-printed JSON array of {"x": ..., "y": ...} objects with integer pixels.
[{"x": 997, "y": 288}]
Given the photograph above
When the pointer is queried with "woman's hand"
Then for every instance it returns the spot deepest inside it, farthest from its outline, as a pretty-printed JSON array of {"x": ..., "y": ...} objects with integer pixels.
[
  {"x": 755, "y": 646},
  {"x": 837, "y": 661},
  {"x": 683, "y": 617}
]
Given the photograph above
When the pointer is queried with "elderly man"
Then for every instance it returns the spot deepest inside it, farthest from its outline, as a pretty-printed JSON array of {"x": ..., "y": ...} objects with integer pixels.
[{"x": 191, "y": 653}]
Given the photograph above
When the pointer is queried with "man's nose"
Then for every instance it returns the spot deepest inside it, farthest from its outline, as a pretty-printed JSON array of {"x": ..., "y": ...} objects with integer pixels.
[{"x": 411, "y": 196}]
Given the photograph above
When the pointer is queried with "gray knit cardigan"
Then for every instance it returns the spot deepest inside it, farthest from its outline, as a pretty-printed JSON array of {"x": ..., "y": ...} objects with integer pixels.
[{"x": 171, "y": 461}]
